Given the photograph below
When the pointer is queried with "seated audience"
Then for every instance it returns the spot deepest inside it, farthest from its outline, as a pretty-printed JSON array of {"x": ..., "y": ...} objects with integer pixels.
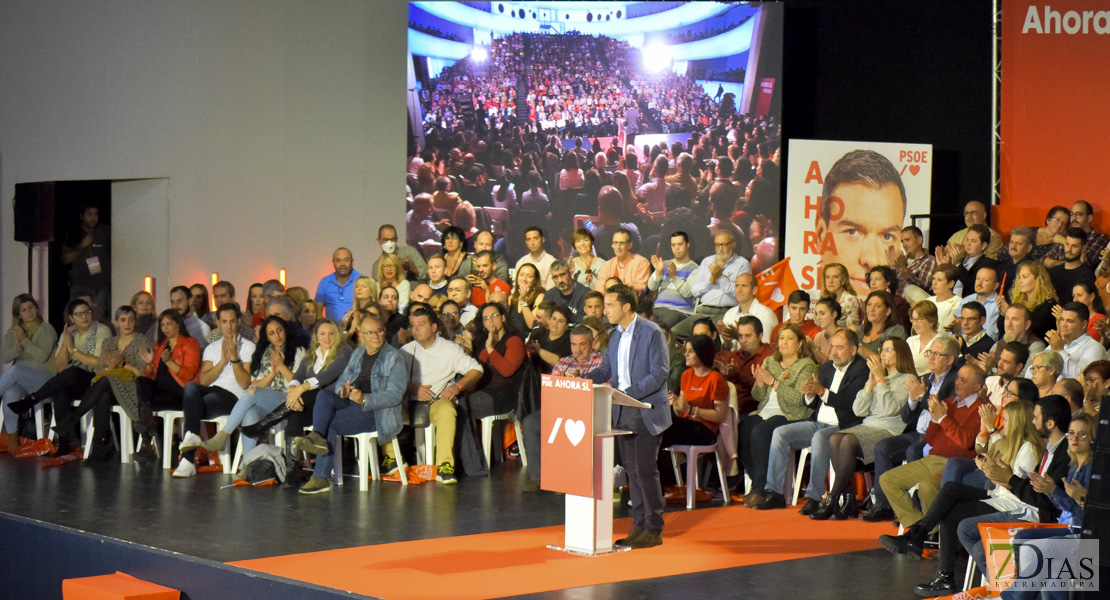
[
  {"x": 123, "y": 358},
  {"x": 702, "y": 404},
  {"x": 746, "y": 304},
  {"x": 1033, "y": 290},
  {"x": 433, "y": 364},
  {"x": 179, "y": 301},
  {"x": 176, "y": 362},
  {"x": 567, "y": 291},
  {"x": 366, "y": 397},
  {"x": 1071, "y": 341},
  {"x": 674, "y": 300},
  {"x": 275, "y": 360},
  {"x": 880, "y": 403},
  {"x": 454, "y": 252},
  {"x": 630, "y": 268},
  {"x": 946, "y": 301},
  {"x": 797, "y": 308},
  {"x": 222, "y": 380},
  {"x": 923, "y": 321},
  {"x": 1073, "y": 269},
  {"x": 75, "y": 360},
  {"x": 973, "y": 338},
  {"x": 831, "y": 392},
  {"x": 392, "y": 275},
  {"x": 537, "y": 256},
  {"x": 527, "y": 296},
  {"x": 412, "y": 264},
  {"x": 585, "y": 265},
  {"x": 826, "y": 314},
  {"x": 146, "y": 320},
  {"x": 953, "y": 425},
  {"x": 778, "y": 389}
]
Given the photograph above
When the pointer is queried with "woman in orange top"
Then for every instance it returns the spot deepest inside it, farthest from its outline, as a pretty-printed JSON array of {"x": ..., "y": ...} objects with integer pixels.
[{"x": 703, "y": 403}]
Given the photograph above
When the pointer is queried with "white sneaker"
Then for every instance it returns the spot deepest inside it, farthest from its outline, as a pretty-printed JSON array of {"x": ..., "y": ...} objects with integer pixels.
[
  {"x": 190, "y": 441},
  {"x": 185, "y": 469}
]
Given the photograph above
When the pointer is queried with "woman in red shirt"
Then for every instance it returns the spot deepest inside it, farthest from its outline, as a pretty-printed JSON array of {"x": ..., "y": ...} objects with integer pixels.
[
  {"x": 703, "y": 403},
  {"x": 502, "y": 357}
]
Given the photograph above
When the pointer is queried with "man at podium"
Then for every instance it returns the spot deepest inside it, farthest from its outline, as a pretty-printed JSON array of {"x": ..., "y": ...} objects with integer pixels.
[{"x": 636, "y": 363}]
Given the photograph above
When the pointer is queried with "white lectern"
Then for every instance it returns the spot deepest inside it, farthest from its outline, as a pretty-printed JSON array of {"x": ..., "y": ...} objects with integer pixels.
[{"x": 588, "y": 485}]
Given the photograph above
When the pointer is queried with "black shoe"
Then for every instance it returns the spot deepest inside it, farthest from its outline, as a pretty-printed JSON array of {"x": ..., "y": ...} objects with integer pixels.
[
  {"x": 24, "y": 404},
  {"x": 830, "y": 506},
  {"x": 910, "y": 542},
  {"x": 942, "y": 585},
  {"x": 810, "y": 507},
  {"x": 772, "y": 501},
  {"x": 847, "y": 508},
  {"x": 877, "y": 515},
  {"x": 646, "y": 540}
]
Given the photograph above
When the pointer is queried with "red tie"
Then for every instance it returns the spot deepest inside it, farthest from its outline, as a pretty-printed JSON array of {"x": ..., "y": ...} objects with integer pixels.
[{"x": 1044, "y": 463}]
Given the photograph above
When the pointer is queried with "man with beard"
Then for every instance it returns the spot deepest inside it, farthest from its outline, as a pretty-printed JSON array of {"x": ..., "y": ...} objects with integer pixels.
[
  {"x": 1073, "y": 270},
  {"x": 566, "y": 292}
]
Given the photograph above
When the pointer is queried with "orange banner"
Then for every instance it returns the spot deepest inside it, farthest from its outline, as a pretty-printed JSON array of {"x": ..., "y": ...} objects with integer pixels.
[{"x": 1054, "y": 120}]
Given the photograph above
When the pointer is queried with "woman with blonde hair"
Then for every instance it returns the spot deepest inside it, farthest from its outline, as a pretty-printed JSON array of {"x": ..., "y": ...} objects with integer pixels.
[
  {"x": 1044, "y": 369},
  {"x": 146, "y": 319},
  {"x": 28, "y": 344},
  {"x": 392, "y": 274},
  {"x": 835, "y": 284},
  {"x": 1033, "y": 290}
]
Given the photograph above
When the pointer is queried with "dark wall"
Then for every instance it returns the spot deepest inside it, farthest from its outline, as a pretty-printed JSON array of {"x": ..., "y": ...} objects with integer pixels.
[{"x": 914, "y": 71}]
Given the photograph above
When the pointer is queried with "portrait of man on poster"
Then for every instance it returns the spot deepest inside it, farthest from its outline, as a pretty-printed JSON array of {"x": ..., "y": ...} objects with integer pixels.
[{"x": 863, "y": 206}]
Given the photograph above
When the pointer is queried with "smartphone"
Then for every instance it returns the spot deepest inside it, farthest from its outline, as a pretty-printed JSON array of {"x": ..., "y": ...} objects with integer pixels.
[{"x": 589, "y": 225}]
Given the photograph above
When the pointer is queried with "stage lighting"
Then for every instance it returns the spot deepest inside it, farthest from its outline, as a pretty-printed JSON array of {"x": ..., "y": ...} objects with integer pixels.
[
  {"x": 656, "y": 58},
  {"x": 479, "y": 54}
]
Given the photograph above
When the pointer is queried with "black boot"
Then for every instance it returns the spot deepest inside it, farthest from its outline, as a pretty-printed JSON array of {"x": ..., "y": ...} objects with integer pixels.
[
  {"x": 24, "y": 404},
  {"x": 828, "y": 507},
  {"x": 262, "y": 428},
  {"x": 847, "y": 508}
]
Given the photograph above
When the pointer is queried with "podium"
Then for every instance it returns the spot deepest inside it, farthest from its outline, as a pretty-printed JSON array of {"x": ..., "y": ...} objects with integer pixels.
[{"x": 577, "y": 438}]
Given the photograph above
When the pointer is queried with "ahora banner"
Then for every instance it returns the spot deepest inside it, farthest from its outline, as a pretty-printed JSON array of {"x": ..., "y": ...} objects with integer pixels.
[
  {"x": 846, "y": 202},
  {"x": 1053, "y": 108}
]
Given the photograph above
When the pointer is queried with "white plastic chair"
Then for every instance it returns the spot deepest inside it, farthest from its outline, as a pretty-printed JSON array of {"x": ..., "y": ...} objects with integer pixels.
[
  {"x": 692, "y": 453},
  {"x": 168, "y": 417},
  {"x": 487, "y": 434},
  {"x": 366, "y": 453},
  {"x": 426, "y": 448}
]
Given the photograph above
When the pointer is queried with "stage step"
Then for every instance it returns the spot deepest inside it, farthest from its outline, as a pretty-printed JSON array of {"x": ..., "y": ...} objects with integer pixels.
[{"x": 117, "y": 586}]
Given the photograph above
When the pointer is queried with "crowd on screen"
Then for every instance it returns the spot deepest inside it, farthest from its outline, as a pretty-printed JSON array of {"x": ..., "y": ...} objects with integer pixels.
[
  {"x": 692, "y": 36},
  {"x": 575, "y": 83}
]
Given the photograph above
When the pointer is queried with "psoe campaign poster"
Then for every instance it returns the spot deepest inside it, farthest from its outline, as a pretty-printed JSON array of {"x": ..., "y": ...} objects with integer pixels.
[{"x": 847, "y": 202}]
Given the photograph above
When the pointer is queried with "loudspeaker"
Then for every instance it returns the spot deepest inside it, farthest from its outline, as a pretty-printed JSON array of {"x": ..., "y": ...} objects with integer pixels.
[{"x": 34, "y": 212}]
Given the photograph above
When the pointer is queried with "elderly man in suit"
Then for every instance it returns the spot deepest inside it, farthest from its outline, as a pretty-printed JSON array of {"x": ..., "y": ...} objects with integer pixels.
[
  {"x": 637, "y": 363},
  {"x": 944, "y": 363},
  {"x": 830, "y": 394}
]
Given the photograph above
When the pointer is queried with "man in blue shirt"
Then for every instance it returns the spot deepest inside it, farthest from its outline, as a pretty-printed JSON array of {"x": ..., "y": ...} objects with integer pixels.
[{"x": 337, "y": 290}]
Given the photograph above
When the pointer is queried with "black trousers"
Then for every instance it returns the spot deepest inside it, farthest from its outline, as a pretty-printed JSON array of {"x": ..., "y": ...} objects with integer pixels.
[
  {"x": 299, "y": 420},
  {"x": 203, "y": 402},
  {"x": 953, "y": 504},
  {"x": 640, "y": 452},
  {"x": 755, "y": 447},
  {"x": 65, "y": 387}
]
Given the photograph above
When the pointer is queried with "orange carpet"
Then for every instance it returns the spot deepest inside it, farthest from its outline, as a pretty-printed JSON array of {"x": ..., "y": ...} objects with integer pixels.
[{"x": 492, "y": 565}]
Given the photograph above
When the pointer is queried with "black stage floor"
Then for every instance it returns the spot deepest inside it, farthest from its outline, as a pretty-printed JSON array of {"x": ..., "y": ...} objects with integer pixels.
[{"x": 145, "y": 505}]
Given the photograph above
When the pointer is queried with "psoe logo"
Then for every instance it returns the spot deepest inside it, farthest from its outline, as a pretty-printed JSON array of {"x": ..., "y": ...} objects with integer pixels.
[
  {"x": 1055, "y": 564},
  {"x": 1071, "y": 22}
]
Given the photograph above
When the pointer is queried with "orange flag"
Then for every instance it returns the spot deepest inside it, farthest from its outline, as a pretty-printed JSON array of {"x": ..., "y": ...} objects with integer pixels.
[{"x": 776, "y": 283}]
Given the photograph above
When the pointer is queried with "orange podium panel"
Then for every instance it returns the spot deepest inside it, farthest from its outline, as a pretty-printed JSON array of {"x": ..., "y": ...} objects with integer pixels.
[
  {"x": 118, "y": 586},
  {"x": 567, "y": 435}
]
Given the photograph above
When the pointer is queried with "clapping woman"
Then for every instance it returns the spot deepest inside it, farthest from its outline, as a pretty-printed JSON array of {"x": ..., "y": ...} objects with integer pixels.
[{"x": 28, "y": 345}]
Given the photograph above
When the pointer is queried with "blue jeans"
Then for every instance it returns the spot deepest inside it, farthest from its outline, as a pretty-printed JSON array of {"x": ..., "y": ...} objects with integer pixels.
[
  {"x": 334, "y": 417},
  {"x": 16, "y": 383},
  {"x": 964, "y": 470},
  {"x": 796, "y": 436},
  {"x": 250, "y": 409}
]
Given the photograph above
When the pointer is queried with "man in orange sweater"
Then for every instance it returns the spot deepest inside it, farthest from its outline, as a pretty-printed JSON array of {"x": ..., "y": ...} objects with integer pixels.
[{"x": 953, "y": 425}]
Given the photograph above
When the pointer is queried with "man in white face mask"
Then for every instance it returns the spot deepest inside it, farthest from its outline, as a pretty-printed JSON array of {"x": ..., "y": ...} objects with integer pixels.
[{"x": 411, "y": 261}]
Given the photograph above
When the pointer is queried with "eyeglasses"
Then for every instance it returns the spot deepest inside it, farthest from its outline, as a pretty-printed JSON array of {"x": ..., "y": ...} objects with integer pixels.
[
  {"x": 724, "y": 245},
  {"x": 1007, "y": 392},
  {"x": 887, "y": 350},
  {"x": 938, "y": 354},
  {"x": 489, "y": 318},
  {"x": 373, "y": 332},
  {"x": 1077, "y": 435},
  {"x": 450, "y": 313},
  {"x": 1078, "y": 214},
  {"x": 81, "y": 313},
  {"x": 968, "y": 213},
  {"x": 1037, "y": 368}
]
